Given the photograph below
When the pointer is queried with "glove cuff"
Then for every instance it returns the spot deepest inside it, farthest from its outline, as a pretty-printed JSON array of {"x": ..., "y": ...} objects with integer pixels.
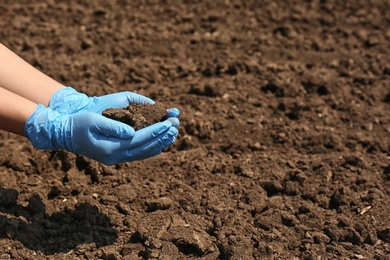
[
  {"x": 68, "y": 101},
  {"x": 44, "y": 128}
]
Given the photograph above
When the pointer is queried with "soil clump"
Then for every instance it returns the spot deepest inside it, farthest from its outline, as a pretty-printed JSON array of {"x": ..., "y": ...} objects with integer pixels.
[{"x": 138, "y": 116}]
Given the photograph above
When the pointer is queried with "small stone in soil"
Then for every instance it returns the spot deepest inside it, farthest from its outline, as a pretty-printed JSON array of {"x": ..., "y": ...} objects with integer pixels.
[{"x": 138, "y": 116}]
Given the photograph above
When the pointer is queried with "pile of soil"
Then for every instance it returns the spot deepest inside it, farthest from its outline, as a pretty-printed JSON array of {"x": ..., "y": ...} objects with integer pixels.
[
  {"x": 138, "y": 116},
  {"x": 284, "y": 143}
]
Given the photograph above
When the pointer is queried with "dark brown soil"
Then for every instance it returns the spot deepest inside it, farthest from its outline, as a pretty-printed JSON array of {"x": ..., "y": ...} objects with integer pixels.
[
  {"x": 138, "y": 116},
  {"x": 284, "y": 141}
]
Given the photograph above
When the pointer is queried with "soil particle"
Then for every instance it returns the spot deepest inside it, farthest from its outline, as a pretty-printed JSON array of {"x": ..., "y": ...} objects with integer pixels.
[{"x": 138, "y": 116}]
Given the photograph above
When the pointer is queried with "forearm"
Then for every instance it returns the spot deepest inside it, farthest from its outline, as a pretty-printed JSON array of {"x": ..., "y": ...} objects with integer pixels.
[
  {"x": 19, "y": 77},
  {"x": 14, "y": 111}
]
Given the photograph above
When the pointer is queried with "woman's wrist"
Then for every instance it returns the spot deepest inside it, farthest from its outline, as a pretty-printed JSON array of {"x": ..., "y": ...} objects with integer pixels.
[{"x": 14, "y": 111}]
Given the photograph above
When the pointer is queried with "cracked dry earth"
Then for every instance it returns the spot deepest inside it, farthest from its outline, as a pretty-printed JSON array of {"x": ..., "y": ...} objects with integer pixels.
[{"x": 284, "y": 141}]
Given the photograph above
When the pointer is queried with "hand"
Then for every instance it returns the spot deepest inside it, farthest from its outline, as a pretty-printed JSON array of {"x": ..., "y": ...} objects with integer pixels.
[
  {"x": 68, "y": 101},
  {"x": 97, "y": 137}
]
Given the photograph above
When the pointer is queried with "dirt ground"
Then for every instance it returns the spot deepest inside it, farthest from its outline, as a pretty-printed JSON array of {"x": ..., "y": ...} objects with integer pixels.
[{"x": 284, "y": 144}]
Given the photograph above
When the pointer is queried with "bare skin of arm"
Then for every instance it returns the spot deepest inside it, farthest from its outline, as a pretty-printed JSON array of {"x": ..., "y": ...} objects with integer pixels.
[
  {"x": 19, "y": 77},
  {"x": 22, "y": 88},
  {"x": 14, "y": 111}
]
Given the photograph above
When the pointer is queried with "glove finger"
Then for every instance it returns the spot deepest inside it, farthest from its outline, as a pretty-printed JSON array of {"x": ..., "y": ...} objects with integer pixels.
[
  {"x": 109, "y": 138},
  {"x": 161, "y": 142},
  {"x": 117, "y": 100},
  {"x": 143, "y": 156},
  {"x": 111, "y": 128},
  {"x": 123, "y": 156},
  {"x": 152, "y": 147},
  {"x": 173, "y": 112},
  {"x": 149, "y": 149},
  {"x": 138, "y": 98},
  {"x": 175, "y": 121},
  {"x": 148, "y": 134}
]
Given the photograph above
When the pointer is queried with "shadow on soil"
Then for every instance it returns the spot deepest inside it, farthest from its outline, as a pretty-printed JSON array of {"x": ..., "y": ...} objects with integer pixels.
[{"x": 58, "y": 232}]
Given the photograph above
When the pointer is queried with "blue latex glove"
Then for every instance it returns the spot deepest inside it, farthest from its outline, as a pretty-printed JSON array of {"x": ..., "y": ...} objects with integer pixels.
[
  {"x": 68, "y": 101},
  {"x": 97, "y": 137}
]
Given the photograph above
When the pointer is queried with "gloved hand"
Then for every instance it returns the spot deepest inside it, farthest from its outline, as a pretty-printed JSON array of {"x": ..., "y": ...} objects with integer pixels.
[
  {"x": 68, "y": 101},
  {"x": 97, "y": 137}
]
